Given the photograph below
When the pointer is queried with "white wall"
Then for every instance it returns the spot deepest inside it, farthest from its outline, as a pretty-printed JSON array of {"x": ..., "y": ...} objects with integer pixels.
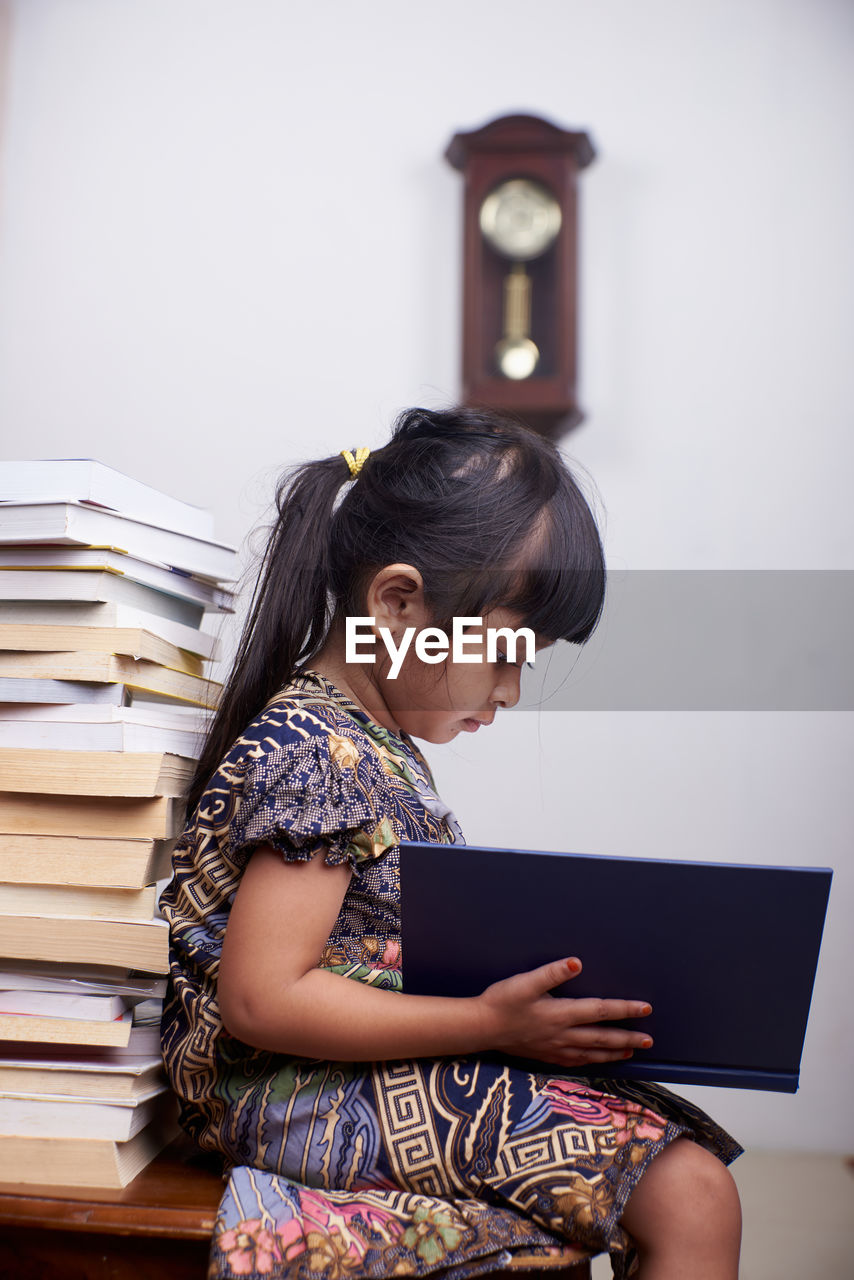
[{"x": 228, "y": 240}]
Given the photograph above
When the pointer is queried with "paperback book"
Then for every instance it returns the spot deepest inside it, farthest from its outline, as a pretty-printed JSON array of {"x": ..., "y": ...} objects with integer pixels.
[
  {"x": 90, "y": 481},
  {"x": 179, "y": 596},
  {"x": 81, "y": 525}
]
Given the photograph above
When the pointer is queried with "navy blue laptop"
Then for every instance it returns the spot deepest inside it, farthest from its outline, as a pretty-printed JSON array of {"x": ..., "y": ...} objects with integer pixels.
[{"x": 725, "y": 954}]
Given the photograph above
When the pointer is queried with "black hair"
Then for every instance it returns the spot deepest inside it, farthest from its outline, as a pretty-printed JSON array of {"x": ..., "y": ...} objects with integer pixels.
[{"x": 482, "y": 506}]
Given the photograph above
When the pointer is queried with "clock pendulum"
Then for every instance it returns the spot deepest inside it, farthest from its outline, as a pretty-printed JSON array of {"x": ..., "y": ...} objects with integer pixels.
[
  {"x": 520, "y": 219},
  {"x": 517, "y": 355}
]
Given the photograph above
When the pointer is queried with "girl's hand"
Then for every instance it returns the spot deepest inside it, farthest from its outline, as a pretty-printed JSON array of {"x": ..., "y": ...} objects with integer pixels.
[{"x": 521, "y": 1018}]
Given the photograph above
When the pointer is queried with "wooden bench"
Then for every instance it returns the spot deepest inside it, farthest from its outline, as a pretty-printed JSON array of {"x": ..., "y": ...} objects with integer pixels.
[{"x": 158, "y": 1228}]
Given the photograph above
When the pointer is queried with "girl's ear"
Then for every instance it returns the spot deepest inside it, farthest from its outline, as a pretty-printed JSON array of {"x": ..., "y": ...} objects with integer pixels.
[{"x": 395, "y": 598}]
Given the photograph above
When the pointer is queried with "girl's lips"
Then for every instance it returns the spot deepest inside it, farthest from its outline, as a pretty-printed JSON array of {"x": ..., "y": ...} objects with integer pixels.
[{"x": 471, "y": 726}]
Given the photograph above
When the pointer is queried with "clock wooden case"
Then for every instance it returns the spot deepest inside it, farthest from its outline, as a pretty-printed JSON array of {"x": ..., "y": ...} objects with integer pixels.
[{"x": 520, "y": 267}]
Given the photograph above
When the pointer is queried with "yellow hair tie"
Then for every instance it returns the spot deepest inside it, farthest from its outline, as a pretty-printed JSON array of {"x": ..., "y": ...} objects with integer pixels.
[{"x": 355, "y": 463}]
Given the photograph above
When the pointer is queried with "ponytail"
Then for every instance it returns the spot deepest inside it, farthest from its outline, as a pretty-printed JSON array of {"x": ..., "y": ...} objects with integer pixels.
[{"x": 288, "y": 613}]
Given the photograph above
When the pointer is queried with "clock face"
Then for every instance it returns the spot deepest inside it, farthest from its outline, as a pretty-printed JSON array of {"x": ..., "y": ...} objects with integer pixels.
[{"x": 520, "y": 218}]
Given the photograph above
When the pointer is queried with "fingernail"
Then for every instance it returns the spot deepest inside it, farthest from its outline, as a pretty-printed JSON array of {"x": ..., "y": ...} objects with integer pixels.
[
  {"x": 573, "y": 966},
  {"x": 628, "y": 1053},
  {"x": 645, "y": 1009},
  {"x": 647, "y": 1043}
]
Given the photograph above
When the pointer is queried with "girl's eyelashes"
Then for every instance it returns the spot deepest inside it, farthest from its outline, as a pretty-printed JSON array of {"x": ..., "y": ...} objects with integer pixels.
[{"x": 501, "y": 659}]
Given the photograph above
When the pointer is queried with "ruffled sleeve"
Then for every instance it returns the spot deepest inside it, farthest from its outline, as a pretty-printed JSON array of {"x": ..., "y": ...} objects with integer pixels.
[{"x": 318, "y": 790}]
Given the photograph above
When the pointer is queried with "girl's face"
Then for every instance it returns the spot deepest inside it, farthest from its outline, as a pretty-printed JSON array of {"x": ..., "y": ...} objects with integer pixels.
[
  {"x": 438, "y": 702},
  {"x": 435, "y": 701}
]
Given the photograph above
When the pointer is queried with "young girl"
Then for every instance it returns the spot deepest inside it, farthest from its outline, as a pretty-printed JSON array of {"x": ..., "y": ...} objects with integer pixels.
[{"x": 370, "y": 1132}]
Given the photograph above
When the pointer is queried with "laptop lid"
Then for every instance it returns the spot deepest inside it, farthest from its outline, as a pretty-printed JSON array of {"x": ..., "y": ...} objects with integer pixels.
[{"x": 726, "y": 954}]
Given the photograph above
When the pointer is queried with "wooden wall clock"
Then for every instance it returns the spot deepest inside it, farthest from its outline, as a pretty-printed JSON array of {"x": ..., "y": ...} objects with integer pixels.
[{"x": 520, "y": 267}]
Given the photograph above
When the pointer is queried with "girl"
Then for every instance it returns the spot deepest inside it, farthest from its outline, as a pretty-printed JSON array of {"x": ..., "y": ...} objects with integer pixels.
[{"x": 372, "y": 1133}]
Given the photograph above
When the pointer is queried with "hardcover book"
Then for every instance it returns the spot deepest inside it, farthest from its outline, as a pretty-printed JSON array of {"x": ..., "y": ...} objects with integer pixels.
[{"x": 725, "y": 954}]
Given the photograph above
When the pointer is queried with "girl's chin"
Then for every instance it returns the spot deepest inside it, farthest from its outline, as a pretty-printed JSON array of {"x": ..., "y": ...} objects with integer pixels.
[{"x": 439, "y": 733}]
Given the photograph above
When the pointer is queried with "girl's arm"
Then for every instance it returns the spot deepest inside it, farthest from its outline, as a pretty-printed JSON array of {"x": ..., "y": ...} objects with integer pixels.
[{"x": 272, "y": 995}]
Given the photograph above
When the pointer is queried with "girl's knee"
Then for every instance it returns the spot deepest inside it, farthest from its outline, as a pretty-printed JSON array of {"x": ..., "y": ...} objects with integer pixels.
[{"x": 685, "y": 1192}]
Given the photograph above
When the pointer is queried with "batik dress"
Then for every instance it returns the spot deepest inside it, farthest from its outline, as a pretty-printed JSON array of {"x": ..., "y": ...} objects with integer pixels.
[{"x": 405, "y": 1168}]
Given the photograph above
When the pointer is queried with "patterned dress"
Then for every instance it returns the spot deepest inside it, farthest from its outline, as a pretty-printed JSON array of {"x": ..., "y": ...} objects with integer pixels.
[{"x": 408, "y": 1168}]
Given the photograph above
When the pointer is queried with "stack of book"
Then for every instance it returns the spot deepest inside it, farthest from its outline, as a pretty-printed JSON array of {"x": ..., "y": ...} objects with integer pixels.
[{"x": 104, "y": 587}]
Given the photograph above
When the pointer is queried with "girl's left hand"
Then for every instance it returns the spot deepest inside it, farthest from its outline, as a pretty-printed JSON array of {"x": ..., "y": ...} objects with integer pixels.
[{"x": 523, "y": 1019}]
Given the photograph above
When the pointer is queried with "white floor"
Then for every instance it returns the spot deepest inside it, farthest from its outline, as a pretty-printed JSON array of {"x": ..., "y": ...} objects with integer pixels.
[{"x": 798, "y": 1217}]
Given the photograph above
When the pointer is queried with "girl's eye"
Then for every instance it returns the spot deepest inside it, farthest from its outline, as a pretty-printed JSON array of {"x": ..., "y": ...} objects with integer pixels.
[{"x": 501, "y": 658}]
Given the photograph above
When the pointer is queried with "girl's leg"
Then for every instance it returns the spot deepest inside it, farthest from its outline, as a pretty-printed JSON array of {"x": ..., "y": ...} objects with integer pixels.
[{"x": 685, "y": 1217}]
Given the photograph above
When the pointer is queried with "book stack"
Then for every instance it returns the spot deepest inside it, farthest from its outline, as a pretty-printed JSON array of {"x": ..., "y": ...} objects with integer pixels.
[{"x": 105, "y": 584}]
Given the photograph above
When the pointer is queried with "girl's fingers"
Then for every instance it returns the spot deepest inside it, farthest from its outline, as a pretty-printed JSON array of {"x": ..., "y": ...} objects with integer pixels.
[
  {"x": 589, "y": 1009},
  {"x": 583, "y": 1057},
  {"x": 540, "y": 981},
  {"x": 607, "y": 1039}
]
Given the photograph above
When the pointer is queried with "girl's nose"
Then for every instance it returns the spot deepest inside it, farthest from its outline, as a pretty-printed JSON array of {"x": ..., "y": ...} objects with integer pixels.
[{"x": 507, "y": 689}]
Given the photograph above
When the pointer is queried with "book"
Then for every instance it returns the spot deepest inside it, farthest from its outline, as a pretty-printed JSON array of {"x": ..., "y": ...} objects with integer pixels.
[
  {"x": 94, "y": 773},
  {"x": 77, "y": 1118},
  {"x": 84, "y": 1162},
  {"x": 42, "y": 735},
  {"x": 143, "y": 1042},
  {"x": 173, "y": 730},
  {"x": 75, "y": 523},
  {"x": 84, "y": 980},
  {"x": 186, "y": 603},
  {"x": 726, "y": 954},
  {"x": 157, "y": 716},
  {"x": 62, "y": 692},
  {"x": 73, "y": 1118},
  {"x": 140, "y": 676},
  {"x": 113, "y": 817},
  {"x": 62, "y": 1004},
  {"x": 18, "y": 1028},
  {"x": 78, "y": 900},
  {"x": 148, "y": 1013},
  {"x": 93, "y": 1076},
  {"x": 78, "y": 860},
  {"x": 18, "y": 638},
  {"x": 130, "y": 944},
  {"x": 60, "y": 614},
  {"x": 86, "y": 480}
]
